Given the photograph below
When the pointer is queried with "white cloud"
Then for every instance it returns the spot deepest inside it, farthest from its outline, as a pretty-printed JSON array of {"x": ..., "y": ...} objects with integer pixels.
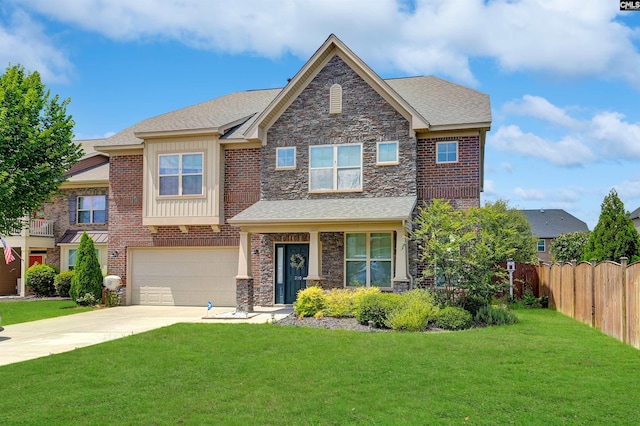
[
  {"x": 23, "y": 41},
  {"x": 490, "y": 188},
  {"x": 528, "y": 194},
  {"x": 565, "y": 152},
  {"x": 572, "y": 37},
  {"x": 539, "y": 107},
  {"x": 617, "y": 138}
]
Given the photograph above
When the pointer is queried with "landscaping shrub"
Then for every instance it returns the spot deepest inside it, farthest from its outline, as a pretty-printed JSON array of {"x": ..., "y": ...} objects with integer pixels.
[
  {"x": 310, "y": 301},
  {"x": 344, "y": 302},
  {"x": 376, "y": 307},
  {"x": 491, "y": 315},
  {"x": 474, "y": 302},
  {"x": 62, "y": 283},
  {"x": 88, "y": 275},
  {"x": 40, "y": 278},
  {"x": 416, "y": 310},
  {"x": 87, "y": 300},
  {"x": 453, "y": 318}
]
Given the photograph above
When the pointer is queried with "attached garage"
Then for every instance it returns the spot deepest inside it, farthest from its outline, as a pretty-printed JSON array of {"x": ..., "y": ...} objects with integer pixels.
[{"x": 182, "y": 276}]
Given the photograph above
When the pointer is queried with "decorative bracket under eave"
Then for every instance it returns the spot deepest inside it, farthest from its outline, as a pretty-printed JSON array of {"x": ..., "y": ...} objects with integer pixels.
[
  {"x": 153, "y": 229},
  {"x": 216, "y": 228},
  {"x": 184, "y": 229}
]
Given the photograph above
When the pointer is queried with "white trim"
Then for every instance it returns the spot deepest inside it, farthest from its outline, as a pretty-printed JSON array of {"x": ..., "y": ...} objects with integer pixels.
[
  {"x": 278, "y": 150},
  {"x": 368, "y": 259},
  {"x": 180, "y": 174},
  {"x": 457, "y": 152},
  {"x": 387, "y": 163},
  {"x": 91, "y": 210},
  {"x": 335, "y": 169}
]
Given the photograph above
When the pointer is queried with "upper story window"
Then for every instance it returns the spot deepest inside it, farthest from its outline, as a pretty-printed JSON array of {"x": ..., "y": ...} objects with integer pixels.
[
  {"x": 541, "y": 246},
  {"x": 181, "y": 174},
  {"x": 92, "y": 209},
  {"x": 335, "y": 99},
  {"x": 286, "y": 158},
  {"x": 387, "y": 153},
  {"x": 447, "y": 152},
  {"x": 335, "y": 167}
]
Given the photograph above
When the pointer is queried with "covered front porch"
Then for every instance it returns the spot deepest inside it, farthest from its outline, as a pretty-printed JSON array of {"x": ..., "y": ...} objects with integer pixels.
[{"x": 333, "y": 243}]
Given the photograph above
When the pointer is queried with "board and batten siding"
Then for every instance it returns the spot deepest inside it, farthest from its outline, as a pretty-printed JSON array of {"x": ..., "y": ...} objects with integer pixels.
[{"x": 187, "y": 210}]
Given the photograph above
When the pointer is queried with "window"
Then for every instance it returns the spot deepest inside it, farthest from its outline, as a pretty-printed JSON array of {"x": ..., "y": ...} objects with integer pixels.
[
  {"x": 181, "y": 174},
  {"x": 335, "y": 168},
  {"x": 335, "y": 99},
  {"x": 447, "y": 152},
  {"x": 92, "y": 209},
  {"x": 541, "y": 246},
  {"x": 388, "y": 152},
  {"x": 73, "y": 258},
  {"x": 286, "y": 158},
  {"x": 368, "y": 259}
]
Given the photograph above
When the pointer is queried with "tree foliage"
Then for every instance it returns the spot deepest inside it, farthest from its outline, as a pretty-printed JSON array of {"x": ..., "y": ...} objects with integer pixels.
[
  {"x": 614, "y": 236},
  {"x": 87, "y": 277},
  {"x": 569, "y": 246},
  {"x": 36, "y": 146},
  {"x": 462, "y": 248}
]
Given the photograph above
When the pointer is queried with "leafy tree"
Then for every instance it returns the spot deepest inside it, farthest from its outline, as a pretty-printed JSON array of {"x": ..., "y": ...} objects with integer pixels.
[
  {"x": 87, "y": 277},
  {"x": 569, "y": 246},
  {"x": 614, "y": 236},
  {"x": 36, "y": 146}
]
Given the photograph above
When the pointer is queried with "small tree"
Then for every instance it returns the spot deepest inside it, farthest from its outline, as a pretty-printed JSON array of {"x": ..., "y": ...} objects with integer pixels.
[
  {"x": 87, "y": 276},
  {"x": 614, "y": 236},
  {"x": 569, "y": 246}
]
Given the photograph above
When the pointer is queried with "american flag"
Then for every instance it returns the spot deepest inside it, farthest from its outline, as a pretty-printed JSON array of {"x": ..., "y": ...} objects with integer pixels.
[{"x": 8, "y": 254}]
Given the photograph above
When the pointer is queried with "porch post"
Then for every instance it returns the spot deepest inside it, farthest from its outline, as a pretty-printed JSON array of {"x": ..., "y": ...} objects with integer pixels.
[
  {"x": 244, "y": 280},
  {"x": 401, "y": 280},
  {"x": 313, "y": 277}
]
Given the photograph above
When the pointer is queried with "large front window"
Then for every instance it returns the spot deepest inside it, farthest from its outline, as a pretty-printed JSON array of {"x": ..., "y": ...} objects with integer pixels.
[
  {"x": 180, "y": 174},
  {"x": 335, "y": 168},
  {"x": 92, "y": 209},
  {"x": 368, "y": 259}
]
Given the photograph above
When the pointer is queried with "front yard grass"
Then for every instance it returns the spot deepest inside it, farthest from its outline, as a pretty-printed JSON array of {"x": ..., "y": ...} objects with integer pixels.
[
  {"x": 32, "y": 310},
  {"x": 548, "y": 369}
]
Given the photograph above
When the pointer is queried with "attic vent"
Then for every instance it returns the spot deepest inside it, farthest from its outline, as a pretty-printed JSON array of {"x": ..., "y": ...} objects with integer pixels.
[{"x": 335, "y": 99}]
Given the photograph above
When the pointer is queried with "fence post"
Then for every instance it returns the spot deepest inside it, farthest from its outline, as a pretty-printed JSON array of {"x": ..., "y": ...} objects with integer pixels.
[
  {"x": 623, "y": 264},
  {"x": 573, "y": 279},
  {"x": 593, "y": 292}
]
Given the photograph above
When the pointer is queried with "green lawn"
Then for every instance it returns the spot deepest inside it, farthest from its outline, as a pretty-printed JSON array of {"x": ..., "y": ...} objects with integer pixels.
[
  {"x": 548, "y": 369},
  {"x": 32, "y": 310}
]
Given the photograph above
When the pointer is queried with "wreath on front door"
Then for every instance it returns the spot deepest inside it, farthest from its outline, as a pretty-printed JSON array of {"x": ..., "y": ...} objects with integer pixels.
[{"x": 297, "y": 261}]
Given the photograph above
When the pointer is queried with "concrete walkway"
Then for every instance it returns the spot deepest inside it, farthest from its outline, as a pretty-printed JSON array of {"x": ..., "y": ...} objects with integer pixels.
[{"x": 29, "y": 340}]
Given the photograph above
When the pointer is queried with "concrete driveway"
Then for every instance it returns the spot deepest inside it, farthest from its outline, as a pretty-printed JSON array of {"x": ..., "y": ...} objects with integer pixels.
[{"x": 29, "y": 340}]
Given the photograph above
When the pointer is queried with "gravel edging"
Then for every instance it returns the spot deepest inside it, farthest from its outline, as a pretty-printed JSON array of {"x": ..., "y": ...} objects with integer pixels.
[{"x": 330, "y": 323}]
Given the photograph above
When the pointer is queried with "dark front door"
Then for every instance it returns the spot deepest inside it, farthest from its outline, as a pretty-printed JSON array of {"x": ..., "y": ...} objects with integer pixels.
[{"x": 292, "y": 266}]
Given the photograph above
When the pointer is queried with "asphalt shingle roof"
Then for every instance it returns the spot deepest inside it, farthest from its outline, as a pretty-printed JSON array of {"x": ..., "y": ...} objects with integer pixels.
[{"x": 553, "y": 222}]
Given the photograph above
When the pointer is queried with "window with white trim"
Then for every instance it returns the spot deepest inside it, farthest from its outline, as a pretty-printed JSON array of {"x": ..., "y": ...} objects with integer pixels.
[
  {"x": 447, "y": 152},
  {"x": 541, "y": 246},
  {"x": 92, "y": 209},
  {"x": 73, "y": 258},
  {"x": 387, "y": 152},
  {"x": 286, "y": 157},
  {"x": 180, "y": 174},
  {"x": 335, "y": 167},
  {"x": 368, "y": 259}
]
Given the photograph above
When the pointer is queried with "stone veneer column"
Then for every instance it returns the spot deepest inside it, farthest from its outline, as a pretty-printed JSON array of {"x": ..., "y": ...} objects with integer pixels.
[{"x": 244, "y": 294}]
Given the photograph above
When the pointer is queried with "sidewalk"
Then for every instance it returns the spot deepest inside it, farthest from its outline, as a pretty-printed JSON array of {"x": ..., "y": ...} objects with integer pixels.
[{"x": 29, "y": 340}]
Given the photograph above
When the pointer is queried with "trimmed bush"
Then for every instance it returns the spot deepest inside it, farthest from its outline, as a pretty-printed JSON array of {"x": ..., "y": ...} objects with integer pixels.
[
  {"x": 40, "y": 278},
  {"x": 376, "y": 307},
  {"x": 88, "y": 275},
  {"x": 474, "y": 302},
  {"x": 62, "y": 283},
  {"x": 343, "y": 302},
  {"x": 453, "y": 318},
  {"x": 87, "y": 300},
  {"x": 415, "y": 312},
  {"x": 491, "y": 315},
  {"x": 310, "y": 301}
]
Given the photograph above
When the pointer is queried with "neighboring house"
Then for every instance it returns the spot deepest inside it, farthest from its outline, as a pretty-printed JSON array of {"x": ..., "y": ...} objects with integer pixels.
[
  {"x": 245, "y": 199},
  {"x": 635, "y": 217},
  {"x": 53, "y": 234},
  {"x": 548, "y": 224}
]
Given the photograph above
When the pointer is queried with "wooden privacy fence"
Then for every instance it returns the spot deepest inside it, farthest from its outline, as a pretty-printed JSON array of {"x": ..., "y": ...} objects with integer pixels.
[{"x": 605, "y": 296}]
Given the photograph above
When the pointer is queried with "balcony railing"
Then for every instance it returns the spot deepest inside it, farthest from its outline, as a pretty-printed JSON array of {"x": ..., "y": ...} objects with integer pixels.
[{"x": 41, "y": 228}]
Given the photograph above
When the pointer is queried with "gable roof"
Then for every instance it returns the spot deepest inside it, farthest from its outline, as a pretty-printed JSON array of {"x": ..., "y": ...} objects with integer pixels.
[
  {"x": 553, "y": 222},
  {"x": 429, "y": 104},
  {"x": 635, "y": 214}
]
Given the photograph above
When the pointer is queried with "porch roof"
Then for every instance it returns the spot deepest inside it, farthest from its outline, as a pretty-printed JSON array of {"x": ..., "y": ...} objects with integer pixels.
[
  {"x": 325, "y": 211},
  {"x": 73, "y": 237}
]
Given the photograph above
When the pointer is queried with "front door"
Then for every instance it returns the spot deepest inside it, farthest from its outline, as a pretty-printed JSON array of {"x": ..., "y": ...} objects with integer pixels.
[{"x": 292, "y": 266}]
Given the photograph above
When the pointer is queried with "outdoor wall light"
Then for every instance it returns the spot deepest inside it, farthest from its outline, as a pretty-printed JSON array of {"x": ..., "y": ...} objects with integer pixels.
[{"x": 114, "y": 253}]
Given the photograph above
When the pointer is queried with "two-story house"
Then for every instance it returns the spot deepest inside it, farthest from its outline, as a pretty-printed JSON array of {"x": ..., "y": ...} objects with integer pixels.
[
  {"x": 53, "y": 234},
  {"x": 547, "y": 224},
  {"x": 245, "y": 199}
]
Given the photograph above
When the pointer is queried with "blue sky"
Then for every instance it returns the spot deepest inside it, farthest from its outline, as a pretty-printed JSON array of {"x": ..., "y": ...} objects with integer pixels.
[{"x": 563, "y": 76}]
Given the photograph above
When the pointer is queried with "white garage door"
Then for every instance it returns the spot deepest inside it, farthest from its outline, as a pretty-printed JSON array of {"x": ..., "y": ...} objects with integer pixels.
[{"x": 183, "y": 277}]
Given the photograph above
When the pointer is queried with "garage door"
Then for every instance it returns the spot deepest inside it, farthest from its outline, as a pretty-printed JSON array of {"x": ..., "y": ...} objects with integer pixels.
[{"x": 183, "y": 277}]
